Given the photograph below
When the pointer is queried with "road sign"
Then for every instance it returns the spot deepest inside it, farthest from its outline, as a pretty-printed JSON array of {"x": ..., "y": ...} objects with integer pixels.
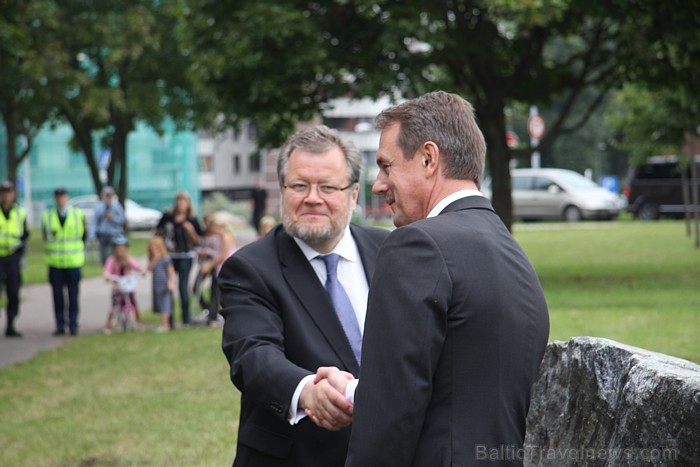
[
  {"x": 610, "y": 182},
  {"x": 535, "y": 126}
]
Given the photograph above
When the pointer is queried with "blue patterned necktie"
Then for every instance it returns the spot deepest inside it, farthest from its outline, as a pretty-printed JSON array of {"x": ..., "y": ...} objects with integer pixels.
[{"x": 343, "y": 306}]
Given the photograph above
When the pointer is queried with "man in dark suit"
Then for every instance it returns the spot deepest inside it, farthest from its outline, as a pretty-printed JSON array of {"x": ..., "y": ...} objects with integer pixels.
[
  {"x": 457, "y": 322},
  {"x": 279, "y": 304}
]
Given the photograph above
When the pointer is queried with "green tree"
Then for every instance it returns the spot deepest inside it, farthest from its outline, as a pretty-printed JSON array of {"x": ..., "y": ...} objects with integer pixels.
[
  {"x": 279, "y": 61},
  {"x": 23, "y": 101},
  {"x": 654, "y": 122},
  {"x": 262, "y": 61},
  {"x": 108, "y": 66}
]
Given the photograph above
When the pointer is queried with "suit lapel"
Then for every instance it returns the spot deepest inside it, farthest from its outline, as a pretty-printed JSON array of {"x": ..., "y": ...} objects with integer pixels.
[{"x": 305, "y": 285}]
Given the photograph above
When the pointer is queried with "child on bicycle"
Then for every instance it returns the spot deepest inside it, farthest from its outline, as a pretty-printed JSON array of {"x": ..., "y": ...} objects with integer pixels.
[
  {"x": 161, "y": 265},
  {"x": 120, "y": 264}
]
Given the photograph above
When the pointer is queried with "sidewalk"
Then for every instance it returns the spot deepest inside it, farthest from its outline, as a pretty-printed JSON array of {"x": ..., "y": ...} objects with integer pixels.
[{"x": 36, "y": 319}]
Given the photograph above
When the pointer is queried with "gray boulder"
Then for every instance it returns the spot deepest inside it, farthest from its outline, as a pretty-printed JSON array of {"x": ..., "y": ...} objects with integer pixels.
[{"x": 601, "y": 403}]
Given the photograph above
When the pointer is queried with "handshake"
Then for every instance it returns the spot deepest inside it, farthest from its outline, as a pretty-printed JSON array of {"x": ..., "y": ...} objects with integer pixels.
[{"x": 324, "y": 401}]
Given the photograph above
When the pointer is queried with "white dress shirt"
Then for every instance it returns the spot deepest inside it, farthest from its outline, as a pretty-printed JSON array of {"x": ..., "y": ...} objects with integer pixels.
[{"x": 351, "y": 274}]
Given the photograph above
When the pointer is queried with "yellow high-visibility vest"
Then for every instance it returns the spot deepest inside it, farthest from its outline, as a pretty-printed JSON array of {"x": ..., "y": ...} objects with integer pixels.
[
  {"x": 11, "y": 230},
  {"x": 63, "y": 245}
]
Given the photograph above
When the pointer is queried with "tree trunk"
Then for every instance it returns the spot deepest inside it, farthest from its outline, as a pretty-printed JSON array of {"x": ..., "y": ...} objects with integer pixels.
[
  {"x": 82, "y": 132},
  {"x": 122, "y": 128},
  {"x": 493, "y": 126},
  {"x": 11, "y": 129}
]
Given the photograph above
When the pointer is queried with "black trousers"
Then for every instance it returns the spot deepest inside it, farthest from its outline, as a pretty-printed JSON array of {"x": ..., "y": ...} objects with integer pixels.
[
  {"x": 11, "y": 280},
  {"x": 69, "y": 279}
]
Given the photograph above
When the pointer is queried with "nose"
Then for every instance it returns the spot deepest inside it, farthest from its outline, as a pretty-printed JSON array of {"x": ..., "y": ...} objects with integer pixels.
[
  {"x": 379, "y": 187},
  {"x": 313, "y": 197}
]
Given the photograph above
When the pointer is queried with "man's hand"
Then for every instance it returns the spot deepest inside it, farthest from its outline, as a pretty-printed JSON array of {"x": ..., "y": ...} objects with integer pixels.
[
  {"x": 337, "y": 378},
  {"x": 325, "y": 405}
]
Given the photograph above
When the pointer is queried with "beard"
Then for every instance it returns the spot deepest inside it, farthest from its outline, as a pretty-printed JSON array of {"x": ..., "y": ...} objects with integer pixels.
[
  {"x": 314, "y": 235},
  {"x": 311, "y": 235}
]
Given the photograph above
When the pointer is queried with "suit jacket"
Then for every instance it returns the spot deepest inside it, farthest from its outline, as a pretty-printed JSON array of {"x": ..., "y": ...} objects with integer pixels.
[
  {"x": 280, "y": 326},
  {"x": 455, "y": 331}
]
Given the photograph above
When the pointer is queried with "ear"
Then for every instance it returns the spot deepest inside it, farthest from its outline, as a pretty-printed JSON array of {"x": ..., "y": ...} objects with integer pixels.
[
  {"x": 356, "y": 192},
  {"x": 430, "y": 157}
]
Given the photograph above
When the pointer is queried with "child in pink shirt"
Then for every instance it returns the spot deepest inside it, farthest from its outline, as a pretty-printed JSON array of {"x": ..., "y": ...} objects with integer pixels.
[{"x": 120, "y": 264}]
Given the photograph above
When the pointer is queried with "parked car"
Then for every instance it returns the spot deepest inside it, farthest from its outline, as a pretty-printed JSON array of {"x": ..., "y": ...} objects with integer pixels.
[
  {"x": 137, "y": 217},
  {"x": 558, "y": 194},
  {"x": 655, "y": 189}
]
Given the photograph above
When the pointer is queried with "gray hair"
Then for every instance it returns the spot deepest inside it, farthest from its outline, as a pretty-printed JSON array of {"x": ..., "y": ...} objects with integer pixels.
[
  {"x": 317, "y": 140},
  {"x": 448, "y": 121}
]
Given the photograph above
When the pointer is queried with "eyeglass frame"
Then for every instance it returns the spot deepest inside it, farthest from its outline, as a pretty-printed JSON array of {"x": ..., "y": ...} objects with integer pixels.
[{"x": 319, "y": 188}]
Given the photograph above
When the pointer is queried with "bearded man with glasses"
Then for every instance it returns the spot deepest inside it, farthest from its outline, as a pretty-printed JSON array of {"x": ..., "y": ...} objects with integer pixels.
[{"x": 294, "y": 301}]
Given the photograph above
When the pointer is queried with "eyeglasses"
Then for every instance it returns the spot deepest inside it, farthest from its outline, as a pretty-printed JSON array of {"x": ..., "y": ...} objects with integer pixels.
[{"x": 324, "y": 190}]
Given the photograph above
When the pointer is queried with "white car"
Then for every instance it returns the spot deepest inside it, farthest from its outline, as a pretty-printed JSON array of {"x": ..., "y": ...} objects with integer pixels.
[
  {"x": 559, "y": 194},
  {"x": 137, "y": 217}
]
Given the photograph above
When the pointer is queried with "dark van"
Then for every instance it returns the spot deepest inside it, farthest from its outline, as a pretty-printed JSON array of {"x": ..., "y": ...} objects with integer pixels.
[{"x": 655, "y": 189}]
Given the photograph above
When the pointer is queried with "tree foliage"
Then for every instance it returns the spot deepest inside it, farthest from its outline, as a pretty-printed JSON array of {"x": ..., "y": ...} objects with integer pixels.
[
  {"x": 654, "y": 122},
  {"x": 108, "y": 65},
  {"x": 23, "y": 100},
  {"x": 493, "y": 52},
  {"x": 270, "y": 62}
]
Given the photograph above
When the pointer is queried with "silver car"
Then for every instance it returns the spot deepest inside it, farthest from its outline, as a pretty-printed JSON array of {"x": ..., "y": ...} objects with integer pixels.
[
  {"x": 559, "y": 194},
  {"x": 137, "y": 217}
]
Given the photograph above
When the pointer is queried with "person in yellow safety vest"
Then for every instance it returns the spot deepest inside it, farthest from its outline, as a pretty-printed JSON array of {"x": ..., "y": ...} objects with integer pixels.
[
  {"x": 13, "y": 240},
  {"x": 64, "y": 252}
]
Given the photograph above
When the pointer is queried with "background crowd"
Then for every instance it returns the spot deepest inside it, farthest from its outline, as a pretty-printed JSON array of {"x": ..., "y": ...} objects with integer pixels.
[{"x": 184, "y": 257}]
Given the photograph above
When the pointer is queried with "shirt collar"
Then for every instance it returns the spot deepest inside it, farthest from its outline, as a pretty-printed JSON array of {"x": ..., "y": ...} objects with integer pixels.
[
  {"x": 451, "y": 199},
  {"x": 345, "y": 247}
]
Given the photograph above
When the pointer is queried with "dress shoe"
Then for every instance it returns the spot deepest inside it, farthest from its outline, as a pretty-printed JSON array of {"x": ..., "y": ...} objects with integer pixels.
[
  {"x": 12, "y": 333},
  {"x": 73, "y": 332},
  {"x": 59, "y": 332}
]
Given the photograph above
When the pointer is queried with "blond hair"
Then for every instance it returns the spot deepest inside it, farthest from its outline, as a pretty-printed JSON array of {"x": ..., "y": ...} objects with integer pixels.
[
  {"x": 266, "y": 224},
  {"x": 182, "y": 194},
  {"x": 222, "y": 220},
  {"x": 158, "y": 244}
]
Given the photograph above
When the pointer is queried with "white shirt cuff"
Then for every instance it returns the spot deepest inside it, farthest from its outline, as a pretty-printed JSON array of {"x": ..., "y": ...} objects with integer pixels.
[
  {"x": 350, "y": 390},
  {"x": 297, "y": 414}
]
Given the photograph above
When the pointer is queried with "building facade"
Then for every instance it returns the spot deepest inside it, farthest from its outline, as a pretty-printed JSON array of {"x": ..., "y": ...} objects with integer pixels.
[
  {"x": 231, "y": 162},
  {"x": 158, "y": 167}
]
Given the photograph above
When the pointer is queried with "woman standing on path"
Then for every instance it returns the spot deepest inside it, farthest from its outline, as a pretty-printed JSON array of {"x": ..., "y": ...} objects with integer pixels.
[{"x": 181, "y": 233}]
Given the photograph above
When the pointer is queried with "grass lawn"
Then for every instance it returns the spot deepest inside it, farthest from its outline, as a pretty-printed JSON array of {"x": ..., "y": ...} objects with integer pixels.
[
  {"x": 132, "y": 399},
  {"x": 152, "y": 399},
  {"x": 637, "y": 283}
]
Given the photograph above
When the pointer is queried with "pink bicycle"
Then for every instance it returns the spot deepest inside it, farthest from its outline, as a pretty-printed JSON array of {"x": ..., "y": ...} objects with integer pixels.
[{"x": 124, "y": 308}]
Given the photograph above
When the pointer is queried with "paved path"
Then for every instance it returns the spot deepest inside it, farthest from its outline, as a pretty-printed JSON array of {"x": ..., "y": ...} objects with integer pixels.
[
  {"x": 37, "y": 323},
  {"x": 36, "y": 318}
]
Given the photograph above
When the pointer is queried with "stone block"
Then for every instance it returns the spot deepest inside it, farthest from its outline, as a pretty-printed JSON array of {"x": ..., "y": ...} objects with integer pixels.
[{"x": 601, "y": 403}]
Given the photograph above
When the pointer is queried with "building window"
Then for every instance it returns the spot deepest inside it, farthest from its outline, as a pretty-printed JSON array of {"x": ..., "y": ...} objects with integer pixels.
[
  {"x": 206, "y": 163},
  {"x": 236, "y": 164},
  {"x": 254, "y": 163},
  {"x": 252, "y": 132}
]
